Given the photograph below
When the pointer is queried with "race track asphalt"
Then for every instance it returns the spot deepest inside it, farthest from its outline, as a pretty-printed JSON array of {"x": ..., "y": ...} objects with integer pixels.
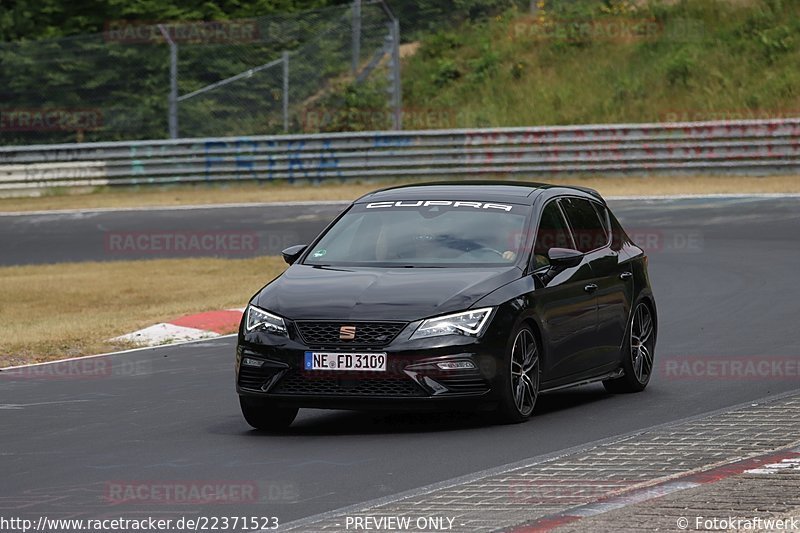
[
  {"x": 73, "y": 435},
  {"x": 233, "y": 232}
]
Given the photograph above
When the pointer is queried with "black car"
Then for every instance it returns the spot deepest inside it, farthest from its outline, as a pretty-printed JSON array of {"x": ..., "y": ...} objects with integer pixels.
[{"x": 476, "y": 295}]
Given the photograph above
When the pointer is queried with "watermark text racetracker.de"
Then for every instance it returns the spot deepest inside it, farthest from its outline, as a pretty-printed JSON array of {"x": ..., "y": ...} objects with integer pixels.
[
  {"x": 605, "y": 29},
  {"x": 651, "y": 240},
  {"x": 327, "y": 119},
  {"x": 199, "y": 492},
  {"x": 147, "y": 524},
  {"x": 51, "y": 119},
  {"x": 187, "y": 243},
  {"x": 182, "y": 242},
  {"x": 182, "y": 32},
  {"x": 81, "y": 369},
  {"x": 729, "y": 368}
]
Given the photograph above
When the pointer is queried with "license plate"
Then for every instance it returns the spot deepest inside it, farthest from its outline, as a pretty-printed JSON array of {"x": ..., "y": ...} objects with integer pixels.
[{"x": 370, "y": 362}]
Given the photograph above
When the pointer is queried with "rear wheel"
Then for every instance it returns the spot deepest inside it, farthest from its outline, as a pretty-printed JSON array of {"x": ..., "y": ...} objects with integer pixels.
[
  {"x": 522, "y": 377},
  {"x": 638, "y": 352},
  {"x": 263, "y": 415}
]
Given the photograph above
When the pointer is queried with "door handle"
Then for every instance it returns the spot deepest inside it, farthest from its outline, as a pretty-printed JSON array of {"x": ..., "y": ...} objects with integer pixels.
[
  {"x": 626, "y": 275},
  {"x": 590, "y": 287}
]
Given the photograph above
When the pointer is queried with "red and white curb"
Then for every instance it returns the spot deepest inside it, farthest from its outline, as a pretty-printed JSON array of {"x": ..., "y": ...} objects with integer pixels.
[
  {"x": 764, "y": 464},
  {"x": 187, "y": 328}
]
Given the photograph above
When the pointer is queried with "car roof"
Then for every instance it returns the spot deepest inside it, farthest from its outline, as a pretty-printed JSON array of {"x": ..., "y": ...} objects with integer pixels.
[{"x": 519, "y": 192}]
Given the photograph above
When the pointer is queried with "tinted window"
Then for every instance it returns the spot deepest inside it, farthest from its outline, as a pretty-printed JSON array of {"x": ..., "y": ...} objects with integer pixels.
[
  {"x": 423, "y": 233},
  {"x": 618, "y": 235},
  {"x": 602, "y": 212},
  {"x": 552, "y": 233},
  {"x": 587, "y": 229}
]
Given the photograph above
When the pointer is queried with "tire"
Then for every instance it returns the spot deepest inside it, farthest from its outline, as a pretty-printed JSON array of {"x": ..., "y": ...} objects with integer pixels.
[
  {"x": 637, "y": 354},
  {"x": 264, "y": 416},
  {"x": 521, "y": 377}
]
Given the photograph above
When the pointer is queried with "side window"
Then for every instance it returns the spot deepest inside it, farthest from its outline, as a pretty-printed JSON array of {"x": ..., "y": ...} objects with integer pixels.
[
  {"x": 618, "y": 235},
  {"x": 552, "y": 233},
  {"x": 587, "y": 229},
  {"x": 602, "y": 212}
]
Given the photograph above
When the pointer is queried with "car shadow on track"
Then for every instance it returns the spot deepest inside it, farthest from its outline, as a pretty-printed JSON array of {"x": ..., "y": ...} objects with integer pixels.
[{"x": 325, "y": 423}]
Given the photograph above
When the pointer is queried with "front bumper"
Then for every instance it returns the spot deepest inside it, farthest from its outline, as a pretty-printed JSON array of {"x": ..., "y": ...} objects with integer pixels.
[{"x": 412, "y": 379}]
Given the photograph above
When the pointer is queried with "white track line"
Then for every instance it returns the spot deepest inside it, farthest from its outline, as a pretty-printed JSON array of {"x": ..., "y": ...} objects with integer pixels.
[{"x": 774, "y": 468}]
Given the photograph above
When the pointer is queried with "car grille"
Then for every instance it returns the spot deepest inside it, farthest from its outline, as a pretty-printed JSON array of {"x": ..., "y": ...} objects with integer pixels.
[
  {"x": 367, "y": 333},
  {"x": 300, "y": 383}
]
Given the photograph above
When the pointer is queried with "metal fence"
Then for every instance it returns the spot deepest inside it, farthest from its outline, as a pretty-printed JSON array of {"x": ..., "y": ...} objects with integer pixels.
[
  {"x": 740, "y": 147},
  {"x": 195, "y": 79}
]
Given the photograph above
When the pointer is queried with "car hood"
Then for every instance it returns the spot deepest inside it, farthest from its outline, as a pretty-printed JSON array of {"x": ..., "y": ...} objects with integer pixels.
[{"x": 306, "y": 292}]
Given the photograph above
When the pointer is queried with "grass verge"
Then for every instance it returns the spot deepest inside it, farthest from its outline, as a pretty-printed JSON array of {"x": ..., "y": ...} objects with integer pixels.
[
  {"x": 251, "y": 192},
  {"x": 590, "y": 62},
  {"x": 66, "y": 310}
]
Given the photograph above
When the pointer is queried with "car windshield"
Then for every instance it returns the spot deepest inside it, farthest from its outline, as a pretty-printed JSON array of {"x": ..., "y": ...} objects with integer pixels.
[{"x": 424, "y": 233}]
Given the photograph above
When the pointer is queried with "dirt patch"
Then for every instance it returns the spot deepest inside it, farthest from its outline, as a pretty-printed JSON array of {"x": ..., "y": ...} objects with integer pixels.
[{"x": 408, "y": 49}]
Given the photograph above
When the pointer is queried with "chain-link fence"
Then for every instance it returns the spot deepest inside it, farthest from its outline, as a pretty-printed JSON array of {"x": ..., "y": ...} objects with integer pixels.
[{"x": 274, "y": 74}]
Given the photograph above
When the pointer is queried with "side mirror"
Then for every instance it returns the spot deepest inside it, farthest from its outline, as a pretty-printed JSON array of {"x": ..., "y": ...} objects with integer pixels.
[
  {"x": 564, "y": 257},
  {"x": 293, "y": 253}
]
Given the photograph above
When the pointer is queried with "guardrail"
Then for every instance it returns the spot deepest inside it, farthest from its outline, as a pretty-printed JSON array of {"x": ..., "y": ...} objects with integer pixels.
[{"x": 738, "y": 147}]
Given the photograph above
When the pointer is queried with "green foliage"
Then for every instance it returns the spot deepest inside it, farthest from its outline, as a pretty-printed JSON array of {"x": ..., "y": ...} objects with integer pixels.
[
  {"x": 420, "y": 17},
  {"x": 696, "y": 60},
  {"x": 445, "y": 72},
  {"x": 21, "y": 19},
  {"x": 517, "y": 70},
  {"x": 440, "y": 44},
  {"x": 55, "y": 58},
  {"x": 483, "y": 66},
  {"x": 480, "y": 9},
  {"x": 704, "y": 56},
  {"x": 776, "y": 41},
  {"x": 357, "y": 107},
  {"x": 127, "y": 83},
  {"x": 679, "y": 67}
]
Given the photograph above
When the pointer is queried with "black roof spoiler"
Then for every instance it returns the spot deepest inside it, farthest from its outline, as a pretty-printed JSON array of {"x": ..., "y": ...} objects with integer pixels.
[{"x": 589, "y": 190}]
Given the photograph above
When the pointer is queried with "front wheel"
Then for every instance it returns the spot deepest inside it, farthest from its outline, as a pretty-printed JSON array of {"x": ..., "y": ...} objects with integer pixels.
[
  {"x": 521, "y": 379},
  {"x": 638, "y": 351},
  {"x": 263, "y": 415}
]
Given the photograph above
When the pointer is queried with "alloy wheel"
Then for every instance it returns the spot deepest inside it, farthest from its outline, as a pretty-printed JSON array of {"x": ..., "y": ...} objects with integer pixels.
[
  {"x": 641, "y": 343},
  {"x": 525, "y": 372}
]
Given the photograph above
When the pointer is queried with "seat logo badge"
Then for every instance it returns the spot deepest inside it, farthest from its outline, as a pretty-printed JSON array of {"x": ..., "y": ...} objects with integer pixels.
[{"x": 347, "y": 333}]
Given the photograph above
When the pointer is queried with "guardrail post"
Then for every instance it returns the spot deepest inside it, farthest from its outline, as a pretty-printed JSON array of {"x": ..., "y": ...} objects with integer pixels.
[
  {"x": 286, "y": 92},
  {"x": 397, "y": 95},
  {"x": 172, "y": 114},
  {"x": 356, "y": 36}
]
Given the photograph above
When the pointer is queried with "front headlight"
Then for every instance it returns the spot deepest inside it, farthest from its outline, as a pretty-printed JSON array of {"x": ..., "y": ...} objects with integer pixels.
[
  {"x": 264, "y": 321},
  {"x": 471, "y": 323}
]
